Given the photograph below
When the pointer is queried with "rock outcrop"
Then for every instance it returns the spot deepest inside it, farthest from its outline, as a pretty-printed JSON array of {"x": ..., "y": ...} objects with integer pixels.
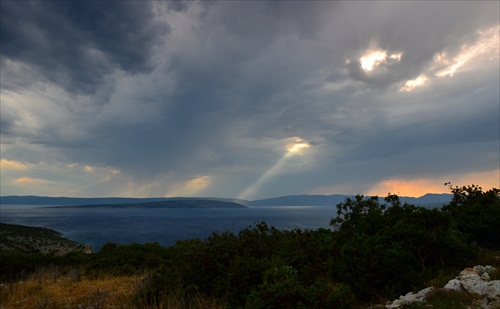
[
  {"x": 410, "y": 298},
  {"x": 475, "y": 281}
]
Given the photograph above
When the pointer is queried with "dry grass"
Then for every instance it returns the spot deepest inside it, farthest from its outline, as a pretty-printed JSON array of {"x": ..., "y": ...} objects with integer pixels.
[
  {"x": 51, "y": 289},
  {"x": 176, "y": 300},
  {"x": 48, "y": 291}
]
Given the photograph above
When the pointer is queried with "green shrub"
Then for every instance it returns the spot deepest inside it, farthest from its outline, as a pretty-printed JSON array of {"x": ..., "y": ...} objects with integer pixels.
[
  {"x": 280, "y": 289},
  {"x": 444, "y": 299},
  {"x": 477, "y": 214},
  {"x": 128, "y": 259}
]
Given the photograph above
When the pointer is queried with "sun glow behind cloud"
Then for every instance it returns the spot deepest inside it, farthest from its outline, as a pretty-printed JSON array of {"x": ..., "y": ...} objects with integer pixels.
[
  {"x": 54, "y": 178},
  {"x": 486, "y": 44},
  {"x": 374, "y": 58},
  {"x": 292, "y": 149},
  {"x": 409, "y": 85},
  {"x": 191, "y": 187},
  {"x": 419, "y": 187},
  {"x": 298, "y": 146},
  {"x": 31, "y": 181},
  {"x": 9, "y": 164},
  {"x": 446, "y": 64}
]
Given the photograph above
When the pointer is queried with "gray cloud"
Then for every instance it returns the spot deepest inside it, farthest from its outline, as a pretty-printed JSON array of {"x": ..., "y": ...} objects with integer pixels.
[
  {"x": 76, "y": 43},
  {"x": 170, "y": 92}
]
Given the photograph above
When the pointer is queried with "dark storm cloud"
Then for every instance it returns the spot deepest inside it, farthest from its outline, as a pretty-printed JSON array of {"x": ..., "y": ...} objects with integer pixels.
[
  {"x": 213, "y": 92},
  {"x": 219, "y": 86},
  {"x": 76, "y": 43}
]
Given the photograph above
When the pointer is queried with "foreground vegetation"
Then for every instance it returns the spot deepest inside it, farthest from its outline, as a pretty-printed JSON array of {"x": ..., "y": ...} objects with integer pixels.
[{"x": 374, "y": 252}]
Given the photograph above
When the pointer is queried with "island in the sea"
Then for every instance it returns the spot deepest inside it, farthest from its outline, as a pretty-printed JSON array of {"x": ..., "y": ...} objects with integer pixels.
[{"x": 181, "y": 203}]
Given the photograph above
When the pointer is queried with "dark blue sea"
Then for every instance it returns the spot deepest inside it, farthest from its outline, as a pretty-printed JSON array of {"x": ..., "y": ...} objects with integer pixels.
[{"x": 96, "y": 226}]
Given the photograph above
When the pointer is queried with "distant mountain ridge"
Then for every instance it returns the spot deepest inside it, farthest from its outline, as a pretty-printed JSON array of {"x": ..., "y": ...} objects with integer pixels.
[
  {"x": 427, "y": 200},
  {"x": 301, "y": 200}
]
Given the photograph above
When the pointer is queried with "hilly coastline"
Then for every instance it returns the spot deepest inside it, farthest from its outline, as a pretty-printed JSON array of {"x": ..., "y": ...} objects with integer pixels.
[{"x": 428, "y": 200}]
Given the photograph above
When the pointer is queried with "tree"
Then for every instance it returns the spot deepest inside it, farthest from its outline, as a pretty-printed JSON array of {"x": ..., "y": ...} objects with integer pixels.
[
  {"x": 358, "y": 215},
  {"x": 476, "y": 213}
]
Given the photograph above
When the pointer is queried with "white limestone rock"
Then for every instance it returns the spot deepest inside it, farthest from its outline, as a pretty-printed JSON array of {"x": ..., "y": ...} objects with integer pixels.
[
  {"x": 468, "y": 274},
  {"x": 410, "y": 298},
  {"x": 474, "y": 280},
  {"x": 489, "y": 269},
  {"x": 485, "y": 277},
  {"x": 455, "y": 285},
  {"x": 479, "y": 269}
]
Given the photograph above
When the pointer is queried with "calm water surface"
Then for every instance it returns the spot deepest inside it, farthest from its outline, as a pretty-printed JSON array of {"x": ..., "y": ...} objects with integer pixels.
[{"x": 98, "y": 226}]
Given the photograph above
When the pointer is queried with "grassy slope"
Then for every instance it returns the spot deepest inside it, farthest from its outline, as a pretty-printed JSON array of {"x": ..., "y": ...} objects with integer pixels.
[{"x": 50, "y": 289}]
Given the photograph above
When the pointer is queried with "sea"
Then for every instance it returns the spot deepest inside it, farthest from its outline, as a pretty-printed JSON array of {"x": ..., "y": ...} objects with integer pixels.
[{"x": 97, "y": 226}]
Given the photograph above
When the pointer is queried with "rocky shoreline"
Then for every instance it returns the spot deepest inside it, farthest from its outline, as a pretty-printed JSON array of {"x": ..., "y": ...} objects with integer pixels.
[{"x": 39, "y": 240}]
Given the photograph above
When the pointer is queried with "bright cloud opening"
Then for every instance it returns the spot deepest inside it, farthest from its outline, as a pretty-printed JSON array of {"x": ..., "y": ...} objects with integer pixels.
[
  {"x": 396, "y": 57},
  {"x": 295, "y": 148},
  {"x": 409, "y": 85},
  {"x": 298, "y": 147},
  {"x": 483, "y": 50},
  {"x": 487, "y": 43},
  {"x": 373, "y": 58}
]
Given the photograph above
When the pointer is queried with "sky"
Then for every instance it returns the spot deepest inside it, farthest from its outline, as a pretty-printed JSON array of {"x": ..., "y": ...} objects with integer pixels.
[{"x": 248, "y": 99}]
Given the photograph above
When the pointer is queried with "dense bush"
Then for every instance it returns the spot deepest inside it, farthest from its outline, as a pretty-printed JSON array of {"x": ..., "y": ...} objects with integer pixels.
[
  {"x": 17, "y": 265},
  {"x": 128, "y": 259},
  {"x": 386, "y": 248},
  {"x": 477, "y": 214}
]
